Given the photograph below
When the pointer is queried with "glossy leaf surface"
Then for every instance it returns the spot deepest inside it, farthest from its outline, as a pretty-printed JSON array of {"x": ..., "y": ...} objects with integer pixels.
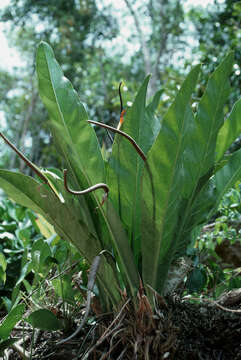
[
  {"x": 126, "y": 166},
  {"x": 74, "y": 137},
  {"x": 163, "y": 186},
  {"x": 199, "y": 154}
]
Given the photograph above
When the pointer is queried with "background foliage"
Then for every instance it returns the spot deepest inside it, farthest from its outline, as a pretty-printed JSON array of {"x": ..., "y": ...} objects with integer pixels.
[
  {"x": 99, "y": 46},
  {"x": 32, "y": 253}
]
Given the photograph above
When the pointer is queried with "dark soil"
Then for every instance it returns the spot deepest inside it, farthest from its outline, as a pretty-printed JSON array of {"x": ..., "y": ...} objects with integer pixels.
[{"x": 178, "y": 330}]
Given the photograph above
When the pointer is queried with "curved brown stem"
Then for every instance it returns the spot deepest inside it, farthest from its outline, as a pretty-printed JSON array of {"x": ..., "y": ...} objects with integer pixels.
[
  {"x": 90, "y": 285},
  {"x": 128, "y": 137},
  {"x": 32, "y": 166},
  {"x": 86, "y": 191},
  {"x": 120, "y": 96}
]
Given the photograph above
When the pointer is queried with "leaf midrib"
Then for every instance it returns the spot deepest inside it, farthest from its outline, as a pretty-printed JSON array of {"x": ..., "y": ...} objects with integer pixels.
[
  {"x": 138, "y": 171},
  {"x": 65, "y": 125},
  {"x": 167, "y": 198}
]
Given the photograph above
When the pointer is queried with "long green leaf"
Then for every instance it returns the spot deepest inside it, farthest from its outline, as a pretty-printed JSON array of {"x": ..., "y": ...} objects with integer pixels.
[
  {"x": 230, "y": 130},
  {"x": 126, "y": 166},
  {"x": 165, "y": 164},
  {"x": 199, "y": 156},
  {"x": 200, "y": 150},
  {"x": 73, "y": 135},
  {"x": 123, "y": 250}
]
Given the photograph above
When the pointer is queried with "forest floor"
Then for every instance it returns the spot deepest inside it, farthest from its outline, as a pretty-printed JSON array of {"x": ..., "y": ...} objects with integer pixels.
[{"x": 178, "y": 330}]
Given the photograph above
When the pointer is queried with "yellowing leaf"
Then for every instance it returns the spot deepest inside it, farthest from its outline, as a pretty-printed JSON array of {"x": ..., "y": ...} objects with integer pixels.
[{"x": 46, "y": 229}]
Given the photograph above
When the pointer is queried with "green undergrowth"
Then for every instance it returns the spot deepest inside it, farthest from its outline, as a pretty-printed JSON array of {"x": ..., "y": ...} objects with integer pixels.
[
  {"x": 37, "y": 272},
  {"x": 215, "y": 253}
]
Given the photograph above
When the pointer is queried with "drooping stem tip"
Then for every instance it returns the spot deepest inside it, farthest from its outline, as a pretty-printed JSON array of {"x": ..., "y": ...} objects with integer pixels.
[
  {"x": 88, "y": 190},
  {"x": 128, "y": 137}
]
